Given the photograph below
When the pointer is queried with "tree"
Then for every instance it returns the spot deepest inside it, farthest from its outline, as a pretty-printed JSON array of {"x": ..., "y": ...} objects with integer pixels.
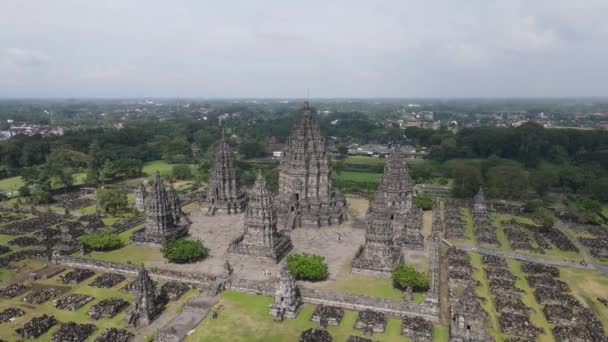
[
  {"x": 104, "y": 241},
  {"x": 252, "y": 149},
  {"x": 405, "y": 276},
  {"x": 307, "y": 266},
  {"x": 107, "y": 172},
  {"x": 424, "y": 201},
  {"x": 543, "y": 178},
  {"x": 182, "y": 171},
  {"x": 599, "y": 189},
  {"x": 111, "y": 200},
  {"x": 182, "y": 251},
  {"x": 467, "y": 180},
  {"x": 508, "y": 181},
  {"x": 343, "y": 150}
]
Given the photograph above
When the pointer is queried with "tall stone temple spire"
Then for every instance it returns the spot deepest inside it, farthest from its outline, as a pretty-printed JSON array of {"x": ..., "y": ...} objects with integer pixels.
[
  {"x": 140, "y": 196},
  {"x": 146, "y": 304},
  {"x": 306, "y": 196},
  {"x": 479, "y": 202},
  {"x": 386, "y": 219},
  {"x": 287, "y": 298},
  {"x": 260, "y": 239},
  {"x": 161, "y": 211},
  {"x": 224, "y": 194}
]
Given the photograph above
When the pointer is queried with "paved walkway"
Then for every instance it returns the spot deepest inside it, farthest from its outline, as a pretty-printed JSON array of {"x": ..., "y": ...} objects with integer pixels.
[{"x": 194, "y": 312}]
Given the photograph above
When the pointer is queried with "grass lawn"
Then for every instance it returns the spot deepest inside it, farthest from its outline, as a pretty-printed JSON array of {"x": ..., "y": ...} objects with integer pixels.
[
  {"x": 354, "y": 176},
  {"x": 368, "y": 286},
  {"x": 364, "y": 160},
  {"x": 165, "y": 169},
  {"x": 505, "y": 244},
  {"x": 129, "y": 253},
  {"x": 244, "y": 317},
  {"x": 11, "y": 183},
  {"x": 469, "y": 232},
  {"x": 587, "y": 286}
]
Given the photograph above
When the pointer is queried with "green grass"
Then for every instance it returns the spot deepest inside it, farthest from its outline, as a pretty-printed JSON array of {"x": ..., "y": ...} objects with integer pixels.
[
  {"x": 354, "y": 176},
  {"x": 11, "y": 183},
  {"x": 368, "y": 286},
  {"x": 469, "y": 232},
  {"x": 441, "y": 333},
  {"x": 129, "y": 253},
  {"x": 244, "y": 317},
  {"x": 165, "y": 168},
  {"x": 364, "y": 160},
  {"x": 587, "y": 286}
]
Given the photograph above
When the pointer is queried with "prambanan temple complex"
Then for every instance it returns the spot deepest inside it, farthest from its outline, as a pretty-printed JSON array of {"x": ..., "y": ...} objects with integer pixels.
[
  {"x": 250, "y": 233},
  {"x": 306, "y": 197}
]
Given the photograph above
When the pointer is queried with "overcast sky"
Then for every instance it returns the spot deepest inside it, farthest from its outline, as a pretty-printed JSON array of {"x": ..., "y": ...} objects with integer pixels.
[{"x": 258, "y": 48}]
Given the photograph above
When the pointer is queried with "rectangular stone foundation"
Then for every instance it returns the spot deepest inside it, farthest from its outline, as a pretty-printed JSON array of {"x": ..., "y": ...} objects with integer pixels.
[
  {"x": 261, "y": 253},
  {"x": 140, "y": 238}
]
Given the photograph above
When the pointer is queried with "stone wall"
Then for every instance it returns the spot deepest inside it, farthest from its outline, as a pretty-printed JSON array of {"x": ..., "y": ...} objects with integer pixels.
[{"x": 199, "y": 280}]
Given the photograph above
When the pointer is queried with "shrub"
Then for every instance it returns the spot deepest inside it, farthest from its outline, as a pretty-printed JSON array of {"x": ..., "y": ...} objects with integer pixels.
[
  {"x": 307, "y": 266},
  {"x": 112, "y": 200},
  {"x": 405, "y": 276},
  {"x": 424, "y": 201},
  {"x": 104, "y": 241},
  {"x": 182, "y": 171},
  {"x": 183, "y": 251}
]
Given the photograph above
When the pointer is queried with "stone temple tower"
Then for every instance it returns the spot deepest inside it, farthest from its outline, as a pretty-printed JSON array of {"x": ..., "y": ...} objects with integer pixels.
[
  {"x": 479, "y": 202},
  {"x": 224, "y": 194},
  {"x": 160, "y": 212},
  {"x": 287, "y": 299},
  {"x": 146, "y": 304},
  {"x": 306, "y": 196},
  {"x": 386, "y": 219},
  {"x": 261, "y": 239},
  {"x": 140, "y": 196}
]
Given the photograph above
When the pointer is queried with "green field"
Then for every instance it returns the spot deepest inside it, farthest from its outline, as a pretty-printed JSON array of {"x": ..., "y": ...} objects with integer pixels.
[
  {"x": 244, "y": 317},
  {"x": 363, "y": 160},
  {"x": 353, "y": 176},
  {"x": 12, "y": 183},
  {"x": 165, "y": 169}
]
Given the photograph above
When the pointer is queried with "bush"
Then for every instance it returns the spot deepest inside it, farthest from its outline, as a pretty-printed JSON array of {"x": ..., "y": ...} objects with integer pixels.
[
  {"x": 104, "y": 241},
  {"x": 405, "y": 276},
  {"x": 307, "y": 266},
  {"x": 424, "y": 201},
  {"x": 182, "y": 171},
  {"x": 183, "y": 251},
  {"x": 534, "y": 205},
  {"x": 112, "y": 200}
]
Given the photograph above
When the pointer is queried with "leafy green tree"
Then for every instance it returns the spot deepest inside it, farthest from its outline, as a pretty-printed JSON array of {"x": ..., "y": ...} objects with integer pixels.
[
  {"x": 104, "y": 241},
  {"x": 543, "y": 178},
  {"x": 182, "y": 171},
  {"x": 307, "y": 266},
  {"x": 252, "y": 149},
  {"x": 599, "y": 189},
  {"x": 424, "y": 201},
  {"x": 107, "y": 172},
  {"x": 508, "y": 181},
  {"x": 467, "y": 180},
  {"x": 405, "y": 276},
  {"x": 111, "y": 200},
  {"x": 182, "y": 251}
]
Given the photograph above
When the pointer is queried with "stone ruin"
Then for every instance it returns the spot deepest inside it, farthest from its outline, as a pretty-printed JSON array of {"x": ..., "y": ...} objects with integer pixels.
[
  {"x": 13, "y": 290},
  {"x": 468, "y": 318},
  {"x": 140, "y": 197},
  {"x": 224, "y": 194},
  {"x": 73, "y": 302},
  {"x": 261, "y": 239},
  {"x": 411, "y": 236},
  {"x": 10, "y": 314},
  {"x": 484, "y": 229},
  {"x": 107, "y": 280},
  {"x": 36, "y": 327},
  {"x": 173, "y": 290},
  {"x": 417, "y": 329},
  {"x": 76, "y": 276},
  {"x": 330, "y": 315},
  {"x": 115, "y": 335},
  {"x": 4, "y": 249},
  {"x": 455, "y": 225},
  {"x": 73, "y": 332},
  {"x": 287, "y": 299},
  {"x": 315, "y": 335},
  {"x": 108, "y": 308},
  {"x": 388, "y": 220},
  {"x": 163, "y": 214},
  {"x": 306, "y": 196},
  {"x": 358, "y": 339},
  {"x": 146, "y": 304},
  {"x": 371, "y": 322},
  {"x": 42, "y": 295}
]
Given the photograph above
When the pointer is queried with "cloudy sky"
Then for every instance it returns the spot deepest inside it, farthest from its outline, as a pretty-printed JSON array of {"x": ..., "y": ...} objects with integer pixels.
[{"x": 402, "y": 48}]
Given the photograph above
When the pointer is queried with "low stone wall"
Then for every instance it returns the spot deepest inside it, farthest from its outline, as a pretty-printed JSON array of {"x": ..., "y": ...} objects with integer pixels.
[{"x": 199, "y": 280}]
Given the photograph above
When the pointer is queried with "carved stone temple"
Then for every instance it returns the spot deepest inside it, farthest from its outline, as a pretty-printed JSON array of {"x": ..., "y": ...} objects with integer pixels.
[
  {"x": 224, "y": 195},
  {"x": 479, "y": 203},
  {"x": 163, "y": 216},
  {"x": 260, "y": 238},
  {"x": 140, "y": 197},
  {"x": 387, "y": 220},
  {"x": 146, "y": 304},
  {"x": 306, "y": 197},
  {"x": 468, "y": 319},
  {"x": 287, "y": 299}
]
